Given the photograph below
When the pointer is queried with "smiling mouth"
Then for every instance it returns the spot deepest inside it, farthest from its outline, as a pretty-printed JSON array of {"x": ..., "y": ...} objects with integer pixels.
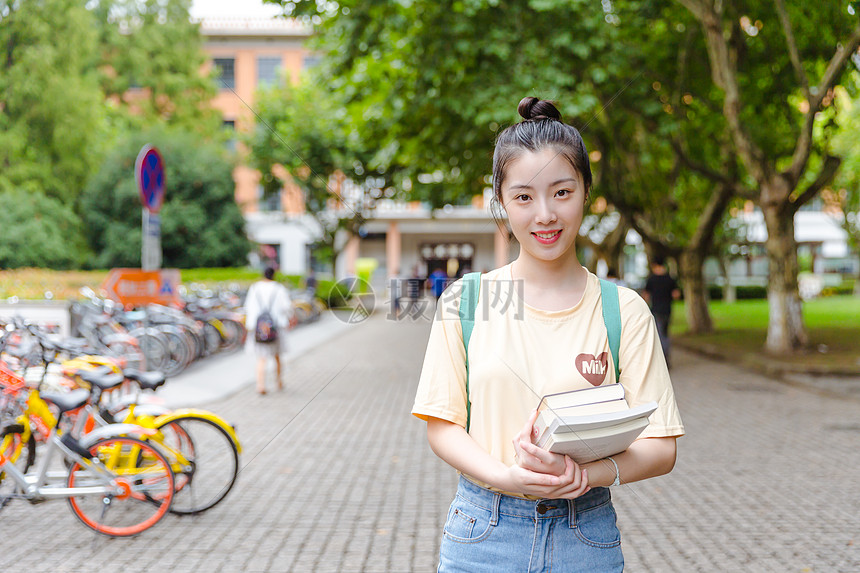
[{"x": 547, "y": 237}]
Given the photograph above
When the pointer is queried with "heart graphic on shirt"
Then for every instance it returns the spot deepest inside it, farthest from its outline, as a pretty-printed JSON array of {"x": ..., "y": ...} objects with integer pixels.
[{"x": 593, "y": 368}]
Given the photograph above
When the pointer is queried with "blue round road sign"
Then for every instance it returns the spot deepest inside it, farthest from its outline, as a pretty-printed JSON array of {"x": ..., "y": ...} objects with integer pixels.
[{"x": 149, "y": 172}]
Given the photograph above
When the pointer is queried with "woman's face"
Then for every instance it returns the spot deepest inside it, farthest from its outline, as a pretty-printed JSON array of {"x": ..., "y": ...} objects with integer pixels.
[{"x": 544, "y": 197}]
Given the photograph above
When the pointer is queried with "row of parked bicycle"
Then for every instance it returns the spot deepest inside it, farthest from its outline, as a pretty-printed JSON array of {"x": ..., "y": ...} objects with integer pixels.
[
  {"x": 85, "y": 431},
  {"x": 168, "y": 339},
  {"x": 78, "y": 420}
]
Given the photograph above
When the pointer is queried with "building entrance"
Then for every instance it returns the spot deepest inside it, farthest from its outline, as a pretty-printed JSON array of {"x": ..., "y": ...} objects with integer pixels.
[{"x": 455, "y": 259}]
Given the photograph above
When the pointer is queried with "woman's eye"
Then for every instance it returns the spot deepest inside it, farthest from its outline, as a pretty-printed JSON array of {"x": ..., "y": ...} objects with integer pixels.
[
  {"x": 522, "y": 197},
  {"x": 562, "y": 192}
]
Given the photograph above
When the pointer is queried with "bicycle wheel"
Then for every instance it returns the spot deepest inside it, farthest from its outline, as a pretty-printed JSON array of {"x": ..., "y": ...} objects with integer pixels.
[
  {"x": 211, "y": 338},
  {"x": 235, "y": 332},
  {"x": 146, "y": 485},
  {"x": 178, "y": 356},
  {"x": 127, "y": 351},
  {"x": 154, "y": 347},
  {"x": 204, "y": 459},
  {"x": 21, "y": 452}
]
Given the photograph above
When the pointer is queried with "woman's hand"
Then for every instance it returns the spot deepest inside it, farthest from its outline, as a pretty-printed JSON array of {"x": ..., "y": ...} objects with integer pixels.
[
  {"x": 531, "y": 457},
  {"x": 542, "y": 472},
  {"x": 572, "y": 483},
  {"x": 451, "y": 443}
]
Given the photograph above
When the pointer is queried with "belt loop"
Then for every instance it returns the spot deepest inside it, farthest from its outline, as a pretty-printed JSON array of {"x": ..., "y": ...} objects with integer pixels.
[
  {"x": 494, "y": 518},
  {"x": 571, "y": 513}
]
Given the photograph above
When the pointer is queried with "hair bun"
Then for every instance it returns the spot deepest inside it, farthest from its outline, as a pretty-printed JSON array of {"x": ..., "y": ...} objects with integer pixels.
[{"x": 532, "y": 108}]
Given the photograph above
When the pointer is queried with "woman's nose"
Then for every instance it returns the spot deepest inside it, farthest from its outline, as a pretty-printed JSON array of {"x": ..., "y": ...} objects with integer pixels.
[{"x": 545, "y": 213}]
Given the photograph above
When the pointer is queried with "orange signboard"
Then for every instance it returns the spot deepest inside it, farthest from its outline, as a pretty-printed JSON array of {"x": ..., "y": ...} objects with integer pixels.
[{"x": 136, "y": 287}]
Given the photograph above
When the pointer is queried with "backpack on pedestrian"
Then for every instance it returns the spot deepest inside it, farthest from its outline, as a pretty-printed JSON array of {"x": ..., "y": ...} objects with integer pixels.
[{"x": 266, "y": 330}]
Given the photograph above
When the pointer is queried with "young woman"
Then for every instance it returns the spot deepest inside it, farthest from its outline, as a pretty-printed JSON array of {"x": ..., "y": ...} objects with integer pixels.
[
  {"x": 268, "y": 295},
  {"x": 538, "y": 330}
]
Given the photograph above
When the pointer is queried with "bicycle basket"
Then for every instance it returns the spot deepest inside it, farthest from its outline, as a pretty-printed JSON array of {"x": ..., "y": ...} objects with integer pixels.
[{"x": 10, "y": 382}]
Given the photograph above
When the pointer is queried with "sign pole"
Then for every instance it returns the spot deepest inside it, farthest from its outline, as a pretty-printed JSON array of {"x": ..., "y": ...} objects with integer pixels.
[
  {"x": 149, "y": 172},
  {"x": 150, "y": 256},
  {"x": 144, "y": 243}
]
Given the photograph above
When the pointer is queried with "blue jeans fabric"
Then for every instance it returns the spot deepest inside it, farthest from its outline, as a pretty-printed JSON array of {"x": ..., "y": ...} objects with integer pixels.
[{"x": 492, "y": 532}]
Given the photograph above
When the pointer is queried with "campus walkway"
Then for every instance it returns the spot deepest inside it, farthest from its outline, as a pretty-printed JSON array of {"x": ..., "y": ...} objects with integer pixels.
[{"x": 338, "y": 477}]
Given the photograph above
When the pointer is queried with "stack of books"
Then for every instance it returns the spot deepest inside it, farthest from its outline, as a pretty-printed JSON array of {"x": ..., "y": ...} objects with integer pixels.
[{"x": 590, "y": 424}]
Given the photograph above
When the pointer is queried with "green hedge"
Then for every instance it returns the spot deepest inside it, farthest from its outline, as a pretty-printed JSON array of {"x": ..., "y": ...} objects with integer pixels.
[
  {"x": 847, "y": 287},
  {"x": 334, "y": 294},
  {"x": 715, "y": 292},
  {"x": 749, "y": 292},
  {"x": 292, "y": 281}
]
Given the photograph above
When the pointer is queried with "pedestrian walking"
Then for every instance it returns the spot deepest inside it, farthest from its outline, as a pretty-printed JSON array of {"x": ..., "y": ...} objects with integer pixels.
[
  {"x": 660, "y": 290},
  {"x": 438, "y": 281},
  {"x": 518, "y": 507},
  {"x": 267, "y": 317}
]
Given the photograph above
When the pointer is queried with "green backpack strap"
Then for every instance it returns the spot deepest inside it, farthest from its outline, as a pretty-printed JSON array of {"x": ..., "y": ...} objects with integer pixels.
[
  {"x": 612, "y": 320},
  {"x": 468, "y": 304}
]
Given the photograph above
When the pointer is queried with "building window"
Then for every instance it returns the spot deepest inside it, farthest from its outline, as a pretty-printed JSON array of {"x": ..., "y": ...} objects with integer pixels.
[
  {"x": 269, "y": 203},
  {"x": 226, "y": 73},
  {"x": 310, "y": 61},
  {"x": 229, "y": 127},
  {"x": 267, "y": 71}
]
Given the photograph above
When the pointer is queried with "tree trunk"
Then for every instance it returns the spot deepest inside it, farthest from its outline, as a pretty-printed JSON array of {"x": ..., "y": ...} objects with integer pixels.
[
  {"x": 695, "y": 296},
  {"x": 857, "y": 282},
  {"x": 785, "y": 330},
  {"x": 729, "y": 292}
]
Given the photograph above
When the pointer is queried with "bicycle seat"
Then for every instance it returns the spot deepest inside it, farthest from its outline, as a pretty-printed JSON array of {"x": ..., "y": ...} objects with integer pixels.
[
  {"x": 146, "y": 380},
  {"x": 103, "y": 377},
  {"x": 72, "y": 345},
  {"x": 67, "y": 401}
]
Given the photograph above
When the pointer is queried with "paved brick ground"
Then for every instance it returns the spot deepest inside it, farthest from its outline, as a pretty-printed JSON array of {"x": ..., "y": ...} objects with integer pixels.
[{"x": 338, "y": 477}]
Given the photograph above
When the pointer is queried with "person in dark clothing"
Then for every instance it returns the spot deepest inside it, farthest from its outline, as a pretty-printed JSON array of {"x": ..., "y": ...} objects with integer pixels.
[
  {"x": 438, "y": 281},
  {"x": 660, "y": 290}
]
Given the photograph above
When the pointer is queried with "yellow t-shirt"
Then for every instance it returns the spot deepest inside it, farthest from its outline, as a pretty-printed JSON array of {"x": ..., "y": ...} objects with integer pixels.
[{"x": 518, "y": 353}]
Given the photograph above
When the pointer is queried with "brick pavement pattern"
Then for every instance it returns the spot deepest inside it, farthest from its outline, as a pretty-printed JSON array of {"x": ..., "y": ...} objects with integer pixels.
[{"x": 337, "y": 476}]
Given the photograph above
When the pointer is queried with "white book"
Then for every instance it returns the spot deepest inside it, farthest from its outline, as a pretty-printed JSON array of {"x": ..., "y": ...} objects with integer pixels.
[
  {"x": 583, "y": 396},
  {"x": 590, "y": 424},
  {"x": 589, "y": 445},
  {"x": 597, "y": 400}
]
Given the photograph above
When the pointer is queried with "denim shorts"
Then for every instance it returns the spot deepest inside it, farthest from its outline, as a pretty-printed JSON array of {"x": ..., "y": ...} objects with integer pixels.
[{"x": 492, "y": 532}]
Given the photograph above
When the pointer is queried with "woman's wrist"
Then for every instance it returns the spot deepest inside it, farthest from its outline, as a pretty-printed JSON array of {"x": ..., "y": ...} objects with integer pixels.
[
  {"x": 601, "y": 473},
  {"x": 500, "y": 476}
]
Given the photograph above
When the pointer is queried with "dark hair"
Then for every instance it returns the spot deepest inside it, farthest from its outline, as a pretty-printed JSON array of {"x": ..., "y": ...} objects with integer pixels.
[
  {"x": 540, "y": 128},
  {"x": 269, "y": 273},
  {"x": 659, "y": 260}
]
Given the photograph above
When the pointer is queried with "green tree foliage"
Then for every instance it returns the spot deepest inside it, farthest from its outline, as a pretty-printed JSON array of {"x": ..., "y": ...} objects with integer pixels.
[
  {"x": 847, "y": 184},
  {"x": 39, "y": 231},
  {"x": 774, "y": 66},
  {"x": 302, "y": 129},
  {"x": 150, "y": 67},
  {"x": 51, "y": 107},
  {"x": 728, "y": 91},
  {"x": 431, "y": 83},
  {"x": 201, "y": 225},
  {"x": 78, "y": 79}
]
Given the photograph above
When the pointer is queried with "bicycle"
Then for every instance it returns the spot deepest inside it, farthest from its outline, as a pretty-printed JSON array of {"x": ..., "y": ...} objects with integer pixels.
[
  {"x": 202, "y": 448},
  {"x": 108, "y": 468}
]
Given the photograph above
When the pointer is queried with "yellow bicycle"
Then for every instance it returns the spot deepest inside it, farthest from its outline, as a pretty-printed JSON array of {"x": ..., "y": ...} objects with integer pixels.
[
  {"x": 203, "y": 448},
  {"x": 116, "y": 483}
]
